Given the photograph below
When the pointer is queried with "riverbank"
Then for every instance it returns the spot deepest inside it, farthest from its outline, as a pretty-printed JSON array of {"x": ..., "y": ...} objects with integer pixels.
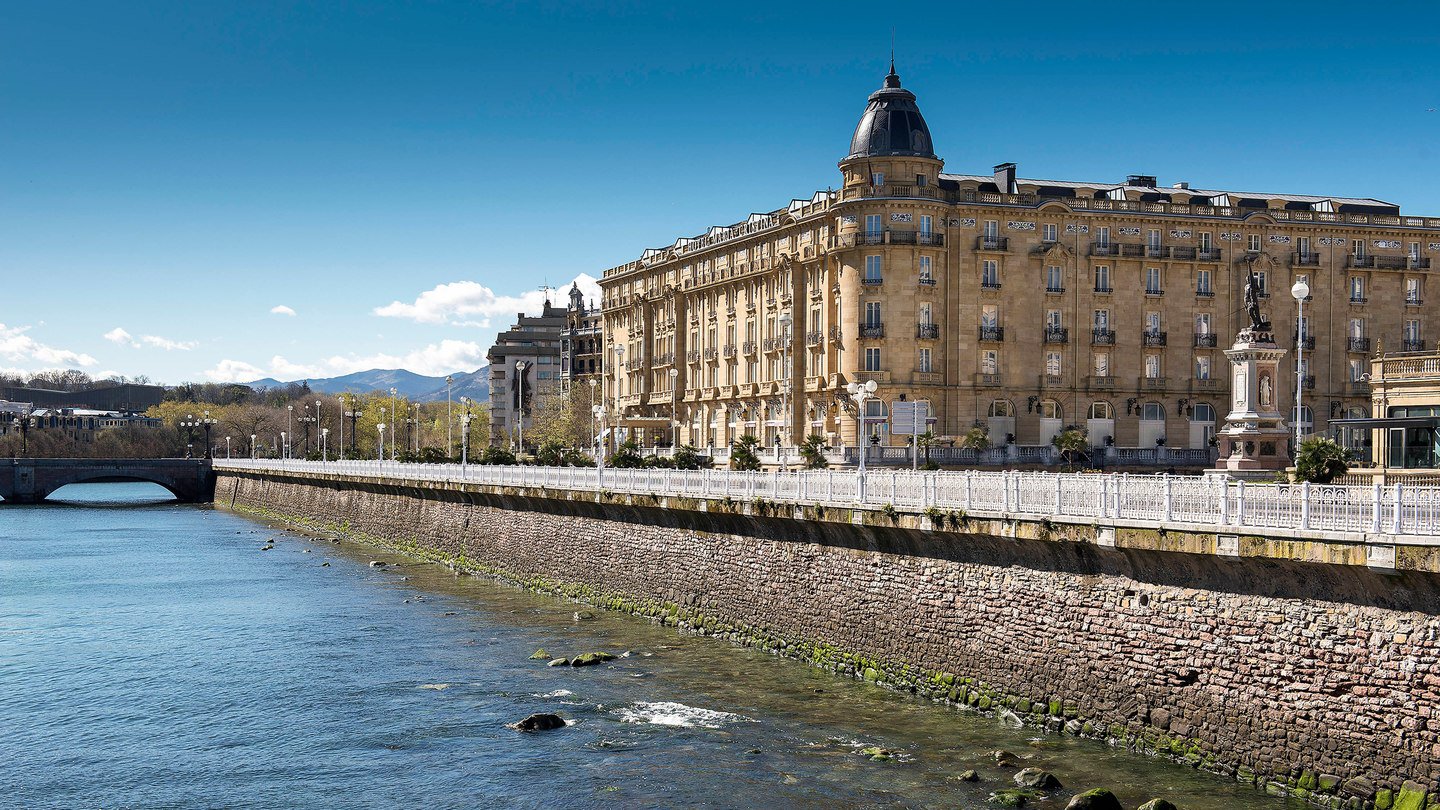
[{"x": 524, "y": 552}]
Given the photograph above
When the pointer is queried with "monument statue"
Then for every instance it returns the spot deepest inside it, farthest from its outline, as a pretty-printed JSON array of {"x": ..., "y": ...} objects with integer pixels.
[{"x": 1252, "y": 303}]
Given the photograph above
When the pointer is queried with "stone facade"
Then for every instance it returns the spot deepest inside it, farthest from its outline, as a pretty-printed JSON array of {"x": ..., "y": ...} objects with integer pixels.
[
  {"x": 1022, "y": 305},
  {"x": 1269, "y": 670}
]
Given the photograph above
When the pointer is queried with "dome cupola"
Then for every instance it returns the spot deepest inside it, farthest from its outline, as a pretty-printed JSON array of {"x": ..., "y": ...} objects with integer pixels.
[{"x": 892, "y": 125}]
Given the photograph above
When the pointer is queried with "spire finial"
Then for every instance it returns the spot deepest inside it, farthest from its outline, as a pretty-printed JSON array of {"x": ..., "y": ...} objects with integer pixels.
[{"x": 892, "y": 50}]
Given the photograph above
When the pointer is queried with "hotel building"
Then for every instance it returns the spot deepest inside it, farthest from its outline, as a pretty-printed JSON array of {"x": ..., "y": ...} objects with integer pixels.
[{"x": 1018, "y": 305}]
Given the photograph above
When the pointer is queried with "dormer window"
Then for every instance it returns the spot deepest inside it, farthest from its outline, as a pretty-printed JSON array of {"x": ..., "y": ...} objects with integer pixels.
[
  {"x": 920, "y": 180},
  {"x": 877, "y": 179}
]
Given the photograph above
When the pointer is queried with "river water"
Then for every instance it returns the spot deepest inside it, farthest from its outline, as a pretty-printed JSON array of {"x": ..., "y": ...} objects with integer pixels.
[{"x": 155, "y": 655}]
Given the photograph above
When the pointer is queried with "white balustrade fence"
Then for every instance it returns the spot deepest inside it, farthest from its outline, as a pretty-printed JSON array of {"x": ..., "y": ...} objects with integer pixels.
[{"x": 1213, "y": 503}]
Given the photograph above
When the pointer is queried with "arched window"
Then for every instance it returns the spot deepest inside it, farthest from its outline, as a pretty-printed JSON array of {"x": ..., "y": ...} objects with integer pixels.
[
  {"x": 1001, "y": 407},
  {"x": 1100, "y": 410},
  {"x": 1050, "y": 409},
  {"x": 1153, "y": 412},
  {"x": 1203, "y": 413}
]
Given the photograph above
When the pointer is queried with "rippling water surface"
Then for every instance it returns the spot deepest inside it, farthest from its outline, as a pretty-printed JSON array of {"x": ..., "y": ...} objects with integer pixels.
[{"x": 154, "y": 655}]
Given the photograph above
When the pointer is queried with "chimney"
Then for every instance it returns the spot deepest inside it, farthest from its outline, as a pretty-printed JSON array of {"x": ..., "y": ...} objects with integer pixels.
[
  {"x": 1185, "y": 186},
  {"x": 1005, "y": 178},
  {"x": 1142, "y": 180}
]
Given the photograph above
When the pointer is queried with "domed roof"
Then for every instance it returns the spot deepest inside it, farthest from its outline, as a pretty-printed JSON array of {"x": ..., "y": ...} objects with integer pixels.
[{"x": 891, "y": 125}]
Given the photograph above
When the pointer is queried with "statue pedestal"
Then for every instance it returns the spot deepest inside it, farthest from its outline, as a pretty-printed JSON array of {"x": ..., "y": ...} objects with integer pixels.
[{"x": 1254, "y": 441}]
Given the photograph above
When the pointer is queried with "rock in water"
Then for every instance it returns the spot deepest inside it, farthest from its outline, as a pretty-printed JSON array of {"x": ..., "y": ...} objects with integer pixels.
[
  {"x": 559, "y": 662},
  {"x": 1036, "y": 778},
  {"x": 582, "y": 615},
  {"x": 376, "y": 564},
  {"x": 540, "y": 722},
  {"x": 1097, "y": 799},
  {"x": 590, "y": 659},
  {"x": 540, "y": 655},
  {"x": 1005, "y": 759},
  {"x": 1157, "y": 804},
  {"x": 969, "y": 776}
]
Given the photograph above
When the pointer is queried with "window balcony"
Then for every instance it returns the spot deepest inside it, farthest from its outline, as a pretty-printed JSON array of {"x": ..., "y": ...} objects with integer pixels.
[
  {"x": 927, "y": 331},
  {"x": 1154, "y": 291},
  {"x": 870, "y": 238},
  {"x": 1308, "y": 381},
  {"x": 1204, "y": 292},
  {"x": 814, "y": 338},
  {"x": 998, "y": 244},
  {"x": 990, "y": 284},
  {"x": 1413, "y": 300},
  {"x": 1412, "y": 345},
  {"x": 692, "y": 356},
  {"x": 1200, "y": 384},
  {"x": 729, "y": 350},
  {"x": 1304, "y": 259},
  {"x": 989, "y": 380},
  {"x": 926, "y": 281},
  {"x": 871, "y": 331},
  {"x": 1206, "y": 340},
  {"x": 1358, "y": 299},
  {"x": 1104, "y": 249},
  {"x": 776, "y": 344},
  {"x": 1419, "y": 263},
  {"x": 916, "y": 238},
  {"x": 1379, "y": 262},
  {"x": 1104, "y": 288},
  {"x": 1307, "y": 342},
  {"x": 749, "y": 347},
  {"x": 1186, "y": 254},
  {"x": 1358, "y": 344},
  {"x": 1102, "y": 337},
  {"x": 835, "y": 334},
  {"x": 1209, "y": 255},
  {"x": 992, "y": 334},
  {"x": 712, "y": 353},
  {"x": 1153, "y": 338},
  {"x": 1154, "y": 383},
  {"x": 1103, "y": 383},
  {"x": 1057, "y": 334},
  {"x": 1052, "y": 290},
  {"x": 1051, "y": 381},
  {"x": 872, "y": 281}
]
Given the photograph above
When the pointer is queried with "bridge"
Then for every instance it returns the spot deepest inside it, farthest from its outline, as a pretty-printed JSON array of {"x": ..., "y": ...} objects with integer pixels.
[{"x": 32, "y": 480}]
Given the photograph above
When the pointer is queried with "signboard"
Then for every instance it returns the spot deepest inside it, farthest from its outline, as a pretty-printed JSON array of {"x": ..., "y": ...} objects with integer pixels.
[{"x": 909, "y": 418}]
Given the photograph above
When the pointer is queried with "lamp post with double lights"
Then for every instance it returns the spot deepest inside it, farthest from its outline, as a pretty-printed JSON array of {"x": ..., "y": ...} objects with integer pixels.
[
  {"x": 392, "y": 424},
  {"x": 465, "y": 437},
  {"x": 520, "y": 408},
  {"x": 289, "y": 429},
  {"x": 619, "y": 406},
  {"x": 23, "y": 422},
  {"x": 306, "y": 421},
  {"x": 593, "y": 383},
  {"x": 1300, "y": 291},
  {"x": 353, "y": 414},
  {"x": 324, "y": 444},
  {"x": 449, "y": 420},
  {"x": 674, "y": 410},
  {"x": 598, "y": 414},
  {"x": 785, "y": 320},
  {"x": 861, "y": 392}
]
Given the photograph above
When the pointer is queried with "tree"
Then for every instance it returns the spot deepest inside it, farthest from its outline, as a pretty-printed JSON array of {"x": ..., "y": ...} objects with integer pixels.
[
  {"x": 627, "y": 456},
  {"x": 743, "y": 455},
  {"x": 550, "y": 453},
  {"x": 1321, "y": 460},
  {"x": 812, "y": 451},
  {"x": 562, "y": 417},
  {"x": 497, "y": 455},
  {"x": 976, "y": 439},
  {"x": 688, "y": 458},
  {"x": 1071, "y": 444}
]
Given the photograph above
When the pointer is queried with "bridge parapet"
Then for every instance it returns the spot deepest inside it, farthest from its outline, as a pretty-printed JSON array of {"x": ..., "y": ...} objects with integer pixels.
[{"x": 32, "y": 480}]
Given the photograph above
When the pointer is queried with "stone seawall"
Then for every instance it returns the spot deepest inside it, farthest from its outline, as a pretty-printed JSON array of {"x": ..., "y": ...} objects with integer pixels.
[{"x": 1320, "y": 679}]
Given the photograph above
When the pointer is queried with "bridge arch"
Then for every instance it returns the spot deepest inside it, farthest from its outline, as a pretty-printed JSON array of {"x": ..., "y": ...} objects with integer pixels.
[{"x": 34, "y": 480}]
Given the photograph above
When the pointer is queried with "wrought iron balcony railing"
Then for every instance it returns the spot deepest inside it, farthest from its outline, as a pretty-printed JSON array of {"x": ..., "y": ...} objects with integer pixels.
[
  {"x": 992, "y": 334},
  {"x": 1153, "y": 337},
  {"x": 1057, "y": 334},
  {"x": 1102, "y": 337},
  {"x": 927, "y": 331}
]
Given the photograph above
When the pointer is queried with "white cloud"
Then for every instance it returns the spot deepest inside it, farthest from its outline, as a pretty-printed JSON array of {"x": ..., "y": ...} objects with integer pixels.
[
  {"x": 167, "y": 344},
  {"x": 473, "y": 304},
  {"x": 434, "y": 360},
  {"x": 281, "y": 309},
  {"x": 18, "y": 347},
  {"x": 118, "y": 335}
]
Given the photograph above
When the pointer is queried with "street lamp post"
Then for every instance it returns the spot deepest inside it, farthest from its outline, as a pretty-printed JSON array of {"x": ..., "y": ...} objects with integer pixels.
[
  {"x": 520, "y": 407},
  {"x": 289, "y": 429},
  {"x": 1300, "y": 291},
  {"x": 861, "y": 392},
  {"x": 593, "y": 383},
  {"x": 674, "y": 410},
  {"x": 392, "y": 424},
  {"x": 227, "y": 448},
  {"x": 785, "y": 321},
  {"x": 449, "y": 420},
  {"x": 306, "y": 421},
  {"x": 465, "y": 439},
  {"x": 381, "y": 427},
  {"x": 284, "y": 444},
  {"x": 598, "y": 412},
  {"x": 252, "y": 446},
  {"x": 324, "y": 445},
  {"x": 24, "y": 424},
  {"x": 353, "y": 415},
  {"x": 619, "y": 408},
  {"x": 342, "y": 427}
]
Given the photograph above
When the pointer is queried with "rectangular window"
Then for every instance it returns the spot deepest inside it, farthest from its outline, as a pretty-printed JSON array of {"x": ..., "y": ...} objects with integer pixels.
[
  {"x": 924, "y": 361},
  {"x": 877, "y": 178},
  {"x": 1102, "y": 236},
  {"x": 1357, "y": 328},
  {"x": 1053, "y": 364},
  {"x": 1052, "y": 319},
  {"x": 1054, "y": 279},
  {"x": 1302, "y": 327},
  {"x": 873, "y": 270},
  {"x": 926, "y": 314},
  {"x": 1101, "y": 364},
  {"x": 926, "y": 223},
  {"x": 872, "y": 313},
  {"x": 1412, "y": 331},
  {"x": 1252, "y": 243},
  {"x": 1262, "y": 280},
  {"x": 873, "y": 226},
  {"x": 1152, "y": 366},
  {"x": 989, "y": 316},
  {"x": 1152, "y": 323},
  {"x": 1414, "y": 251},
  {"x": 926, "y": 274},
  {"x": 1205, "y": 244},
  {"x": 1050, "y": 232},
  {"x": 1102, "y": 319},
  {"x": 1152, "y": 239},
  {"x": 1202, "y": 367},
  {"x": 1357, "y": 289},
  {"x": 1203, "y": 283},
  {"x": 1359, "y": 246},
  {"x": 990, "y": 274},
  {"x": 1102, "y": 278},
  {"x": 1302, "y": 245},
  {"x": 1153, "y": 285},
  {"x": 992, "y": 229},
  {"x": 1202, "y": 323},
  {"x": 872, "y": 358},
  {"x": 1412, "y": 291},
  {"x": 990, "y": 362}
]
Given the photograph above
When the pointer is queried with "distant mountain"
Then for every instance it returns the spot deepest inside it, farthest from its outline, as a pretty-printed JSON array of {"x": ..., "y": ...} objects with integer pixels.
[{"x": 418, "y": 387}]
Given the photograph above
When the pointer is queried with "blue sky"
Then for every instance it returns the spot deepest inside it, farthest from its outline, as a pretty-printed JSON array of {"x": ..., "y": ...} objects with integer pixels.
[{"x": 403, "y": 177}]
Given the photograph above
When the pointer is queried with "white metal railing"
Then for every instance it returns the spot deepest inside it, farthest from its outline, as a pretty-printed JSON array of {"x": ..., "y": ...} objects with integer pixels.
[{"x": 1215, "y": 503}]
